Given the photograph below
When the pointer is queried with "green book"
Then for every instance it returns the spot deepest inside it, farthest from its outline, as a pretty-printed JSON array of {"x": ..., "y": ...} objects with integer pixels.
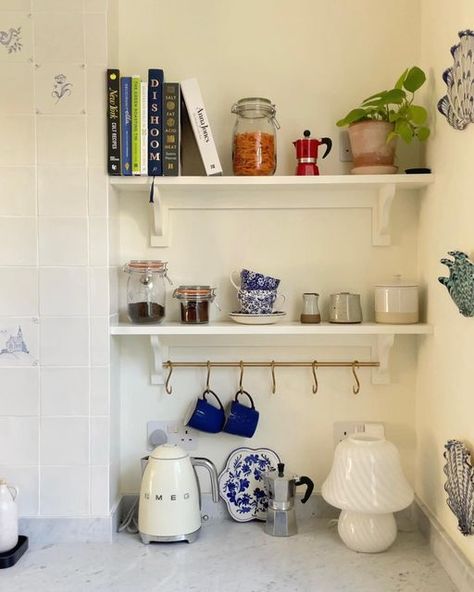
[{"x": 136, "y": 125}]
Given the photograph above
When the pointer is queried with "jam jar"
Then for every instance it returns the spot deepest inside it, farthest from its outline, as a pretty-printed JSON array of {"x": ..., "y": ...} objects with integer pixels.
[
  {"x": 254, "y": 137},
  {"x": 146, "y": 291},
  {"x": 194, "y": 302}
]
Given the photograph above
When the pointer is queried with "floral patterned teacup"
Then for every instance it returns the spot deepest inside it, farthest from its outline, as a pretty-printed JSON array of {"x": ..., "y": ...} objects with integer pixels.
[
  {"x": 258, "y": 301},
  {"x": 252, "y": 280}
]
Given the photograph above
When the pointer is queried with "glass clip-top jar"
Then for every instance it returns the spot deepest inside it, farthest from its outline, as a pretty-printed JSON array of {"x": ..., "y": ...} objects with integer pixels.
[
  {"x": 194, "y": 302},
  {"x": 146, "y": 291},
  {"x": 254, "y": 137}
]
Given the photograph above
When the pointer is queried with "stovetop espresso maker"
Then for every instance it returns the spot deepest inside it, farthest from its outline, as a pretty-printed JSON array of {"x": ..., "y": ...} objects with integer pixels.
[
  {"x": 281, "y": 518},
  {"x": 307, "y": 153}
]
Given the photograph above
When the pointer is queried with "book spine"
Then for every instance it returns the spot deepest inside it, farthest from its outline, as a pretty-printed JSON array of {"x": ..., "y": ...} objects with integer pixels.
[
  {"x": 201, "y": 127},
  {"x": 126, "y": 124},
  {"x": 171, "y": 127},
  {"x": 144, "y": 128},
  {"x": 155, "y": 123},
  {"x": 113, "y": 122},
  {"x": 136, "y": 92}
]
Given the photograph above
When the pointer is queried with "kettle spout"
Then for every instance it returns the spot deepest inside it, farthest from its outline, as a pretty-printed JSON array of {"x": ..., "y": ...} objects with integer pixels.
[{"x": 209, "y": 465}]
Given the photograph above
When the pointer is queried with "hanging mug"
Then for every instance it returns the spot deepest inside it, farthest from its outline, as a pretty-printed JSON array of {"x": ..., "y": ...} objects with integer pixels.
[
  {"x": 241, "y": 419},
  {"x": 204, "y": 416}
]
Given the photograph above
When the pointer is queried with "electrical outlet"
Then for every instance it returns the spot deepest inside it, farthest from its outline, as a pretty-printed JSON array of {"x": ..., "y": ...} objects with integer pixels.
[
  {"x": 345, "y": 152},
  {"x": 342, "y": 429},
  {"x": 170, "y": 432}
]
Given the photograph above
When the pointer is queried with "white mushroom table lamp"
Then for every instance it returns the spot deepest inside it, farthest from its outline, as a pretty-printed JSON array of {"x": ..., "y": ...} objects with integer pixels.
[{"x": 367, "y": 482}]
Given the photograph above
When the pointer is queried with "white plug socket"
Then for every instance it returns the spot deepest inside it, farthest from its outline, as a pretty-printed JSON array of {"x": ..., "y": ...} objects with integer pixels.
[
  {"x": 170, "y": 432},
  {"x": 342, "y": 429}
]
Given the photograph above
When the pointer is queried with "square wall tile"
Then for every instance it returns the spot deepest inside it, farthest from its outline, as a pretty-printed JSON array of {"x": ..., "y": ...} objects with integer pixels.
[
  {"x": 100, "y": 341},
  {"x": 99, "y": 490},
  {"x": 20, "y": 147},
  {"x": 96, "y": 140},
  {"x": 19, "y": 342},
  {"x": 96, "y": 39},
  {"x": 99, "y": 440},
  {"x": 98, "y": 242},
  {"x": 18, "y": 291},
  {"x": 64, "y": 491},
  {"x": 97, "y": 191},
  {"x": 17, "y": 88},
  {"x": 64, "y": 341},
  {"x": 63, "y": 291},
  {"x": 99, "y": 390},
  {"x": 17, "y": 191},
  {"x": 64, "y": 391},
  {"x": 18, "y": 43},
  {"x": 95, "y": 90},
  {"x": 18, "y": 241},
  {"x": 99, "y": 290},
  {"x": 27, "y": 481},
  {"x": 19, "y": 392},
  {"x": 62, "y": 191},
  {"x": 59, "y": 37},
  {"x": 61, "y": 140},
  {"x": 18, "y": 441},
  {"x": 64, "y": 440},
  {"x": 57, "y": 5},
  {"x": 60, "y": 89},
  {"x": 63, "y": 241}
]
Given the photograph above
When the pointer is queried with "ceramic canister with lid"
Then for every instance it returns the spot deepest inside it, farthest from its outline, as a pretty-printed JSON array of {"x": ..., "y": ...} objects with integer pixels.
[{"x": 396, "y": 302}]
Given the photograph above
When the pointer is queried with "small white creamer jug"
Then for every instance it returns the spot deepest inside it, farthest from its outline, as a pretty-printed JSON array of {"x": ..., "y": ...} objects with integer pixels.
[{"x": 8, "y": 517}]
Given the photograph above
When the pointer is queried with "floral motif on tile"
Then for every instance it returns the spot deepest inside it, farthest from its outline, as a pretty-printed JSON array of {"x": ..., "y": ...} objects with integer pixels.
[
  {"x": 61, "y": 87},
  {"x": 11, "y": 40}
]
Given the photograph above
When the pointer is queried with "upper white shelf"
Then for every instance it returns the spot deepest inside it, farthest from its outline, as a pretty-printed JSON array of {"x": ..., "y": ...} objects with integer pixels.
[
  {"x": 375, "y": 192},
  {"x": 291, "y": 328}
]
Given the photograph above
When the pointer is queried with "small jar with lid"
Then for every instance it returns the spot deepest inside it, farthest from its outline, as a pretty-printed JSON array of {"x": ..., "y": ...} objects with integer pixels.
[
  {"x": 146, "y": 290},
  {"x": 254, "y": 137},
  {"x": 194, "y": 301},
  {"x": 396, "y": 302}
]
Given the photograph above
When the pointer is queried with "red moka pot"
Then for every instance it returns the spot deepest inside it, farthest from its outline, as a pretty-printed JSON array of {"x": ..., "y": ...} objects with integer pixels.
[{"x": 307, "y": 153}]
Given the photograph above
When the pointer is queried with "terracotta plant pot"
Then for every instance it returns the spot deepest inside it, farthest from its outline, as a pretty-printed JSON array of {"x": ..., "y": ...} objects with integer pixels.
[{"x": 370, "y": 149}]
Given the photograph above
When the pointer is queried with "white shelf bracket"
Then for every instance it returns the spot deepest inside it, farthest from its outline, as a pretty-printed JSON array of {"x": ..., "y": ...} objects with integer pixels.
[
  {"x": 381, "y": 352},
  {"x": 381, "y": 215},
  {"x": 159, "y": 355},
  {"x": 160, "y": 221}
]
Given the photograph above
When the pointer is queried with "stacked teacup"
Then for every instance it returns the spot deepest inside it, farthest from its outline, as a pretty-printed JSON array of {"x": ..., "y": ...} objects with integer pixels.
[{"x": 257, "y": 293}]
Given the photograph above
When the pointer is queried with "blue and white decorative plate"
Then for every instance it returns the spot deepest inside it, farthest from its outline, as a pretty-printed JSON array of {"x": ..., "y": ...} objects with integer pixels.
[{"x": 241, "y": 482}]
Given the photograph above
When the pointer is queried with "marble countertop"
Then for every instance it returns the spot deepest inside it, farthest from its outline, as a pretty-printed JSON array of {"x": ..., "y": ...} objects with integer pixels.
[{"x": 230, "y": 557}]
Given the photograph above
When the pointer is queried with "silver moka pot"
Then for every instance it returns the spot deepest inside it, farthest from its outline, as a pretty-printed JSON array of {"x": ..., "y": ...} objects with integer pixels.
[{"x": 281, "y": 519}]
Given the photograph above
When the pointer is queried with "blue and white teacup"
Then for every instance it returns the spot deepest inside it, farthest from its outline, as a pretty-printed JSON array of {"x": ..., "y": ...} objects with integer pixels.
[
  {"x": 258, "y": 301},
  {"x": 252, "y": 280}
]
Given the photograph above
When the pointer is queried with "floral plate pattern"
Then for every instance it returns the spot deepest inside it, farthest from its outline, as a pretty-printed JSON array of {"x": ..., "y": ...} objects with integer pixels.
[{"x": 241, "y": 482}]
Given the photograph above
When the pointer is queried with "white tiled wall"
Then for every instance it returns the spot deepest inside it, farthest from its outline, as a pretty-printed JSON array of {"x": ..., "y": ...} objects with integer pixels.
[{"x": 54, "y": 399}]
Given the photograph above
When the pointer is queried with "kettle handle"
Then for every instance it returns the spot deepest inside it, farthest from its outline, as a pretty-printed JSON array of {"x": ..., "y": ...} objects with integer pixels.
[
  {"x": 309, "y": 487},
  {"x": 328, "y": 143},
  {"x": 207, "y": 464}
]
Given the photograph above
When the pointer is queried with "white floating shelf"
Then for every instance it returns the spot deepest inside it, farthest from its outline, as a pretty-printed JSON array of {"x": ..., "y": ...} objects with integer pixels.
[
  {"x": 375, "y": 192},
  {"x": 379, "y": 337}
]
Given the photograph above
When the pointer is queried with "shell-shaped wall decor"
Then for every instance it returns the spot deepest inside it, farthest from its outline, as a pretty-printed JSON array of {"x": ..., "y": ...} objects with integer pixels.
[
  {"x": 460, "y": 484},
  {"x": 460, "y": 283},
  {"x": 458, "y": 102}
]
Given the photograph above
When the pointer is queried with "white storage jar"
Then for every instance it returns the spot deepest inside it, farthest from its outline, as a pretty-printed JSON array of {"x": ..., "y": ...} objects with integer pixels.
[{"x": 396, "y": 302}]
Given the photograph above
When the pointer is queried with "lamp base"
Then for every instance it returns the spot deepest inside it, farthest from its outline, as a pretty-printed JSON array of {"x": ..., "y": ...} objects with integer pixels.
[{"x": 367, "y": 533}]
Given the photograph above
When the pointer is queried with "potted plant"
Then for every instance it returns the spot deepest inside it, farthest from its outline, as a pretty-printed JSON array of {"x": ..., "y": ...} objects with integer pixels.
[{"x": 381, "y": 119}]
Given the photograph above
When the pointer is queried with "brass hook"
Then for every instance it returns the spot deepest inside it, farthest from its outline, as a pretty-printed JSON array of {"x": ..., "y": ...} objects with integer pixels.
[
  {"x": 356, "y": 387},
  {"x": 241, "y": 388},
  {"x": 208, "y": 375},
  {"x": 314, "y": 365},
  {"x": 274, "y": 386},
  {"x": 168, "y": 387}
]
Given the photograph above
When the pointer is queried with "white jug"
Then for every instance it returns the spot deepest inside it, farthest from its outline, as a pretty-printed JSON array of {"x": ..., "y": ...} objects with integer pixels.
[{"x": 8, "y": 517}]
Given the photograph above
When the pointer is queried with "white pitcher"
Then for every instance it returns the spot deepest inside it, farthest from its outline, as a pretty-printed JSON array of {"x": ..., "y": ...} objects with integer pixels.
[{"x": 8, "y": 516}]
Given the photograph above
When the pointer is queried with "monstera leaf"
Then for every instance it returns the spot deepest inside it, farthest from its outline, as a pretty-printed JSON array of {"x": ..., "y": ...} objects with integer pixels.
[
  {"x": 460, "y": 283},
  {"x": 460, "y": 484}
]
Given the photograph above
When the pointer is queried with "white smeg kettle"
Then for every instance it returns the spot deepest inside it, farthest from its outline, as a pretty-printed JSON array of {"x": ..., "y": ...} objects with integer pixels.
[{"x": 169, "y": 507}]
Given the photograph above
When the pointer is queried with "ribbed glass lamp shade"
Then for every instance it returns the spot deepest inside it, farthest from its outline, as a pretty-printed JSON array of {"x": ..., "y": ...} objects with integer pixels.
[{"x": 366, "y": 476}]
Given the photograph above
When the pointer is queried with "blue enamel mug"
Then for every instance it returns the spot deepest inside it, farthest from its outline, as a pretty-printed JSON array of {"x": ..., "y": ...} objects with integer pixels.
[
  {"x": 204, "y": 416},
  {"x": 241, "y": 419}
]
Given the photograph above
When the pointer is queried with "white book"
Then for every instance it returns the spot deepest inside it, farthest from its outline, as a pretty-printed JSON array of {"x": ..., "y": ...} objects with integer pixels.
[
  {"x": 201, "y": 127},
  {"x": 144, "y": 129}
]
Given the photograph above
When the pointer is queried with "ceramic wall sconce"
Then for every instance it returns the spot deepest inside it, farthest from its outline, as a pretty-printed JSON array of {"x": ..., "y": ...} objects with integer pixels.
[
  {"x": 457, "y": 105},
  {"x": 460, "y": 484},
  {"x": 460, "y": 283}
]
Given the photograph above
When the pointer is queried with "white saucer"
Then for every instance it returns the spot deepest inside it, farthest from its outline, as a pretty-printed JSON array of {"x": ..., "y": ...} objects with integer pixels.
[{"x": 257, "y": 319}]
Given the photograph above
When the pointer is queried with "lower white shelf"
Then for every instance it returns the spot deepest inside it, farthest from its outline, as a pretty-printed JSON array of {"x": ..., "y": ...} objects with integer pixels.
[{"x": 379, "y": 337}]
